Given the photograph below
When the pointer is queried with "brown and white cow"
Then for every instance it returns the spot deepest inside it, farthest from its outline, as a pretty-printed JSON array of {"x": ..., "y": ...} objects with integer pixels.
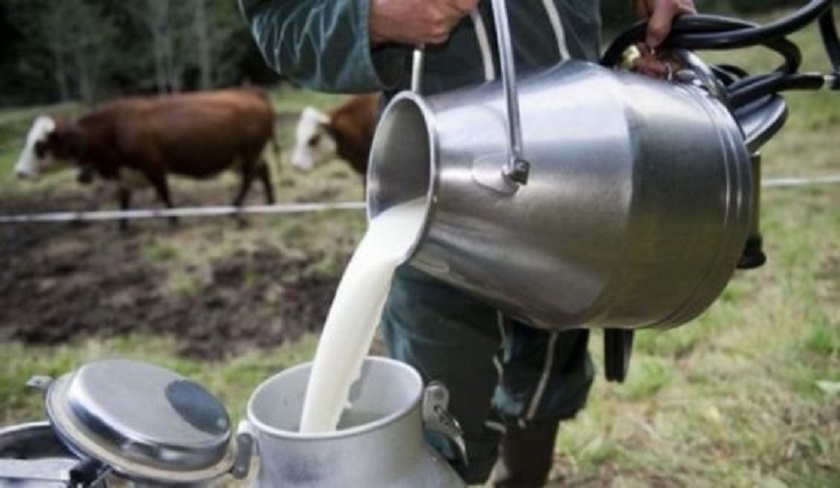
[
  {"x": 345, "y": 132},
  {"x": 137, "y": 142}
]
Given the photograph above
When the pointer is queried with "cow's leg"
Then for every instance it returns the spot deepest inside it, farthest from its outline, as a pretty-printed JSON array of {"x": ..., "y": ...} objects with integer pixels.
[
  {"x": 247, "y": 171},
  {"x": 85, "y": 175},
  {"x": 124, "y": 196},
  {"x": 265, "y": 177},
  {"x": 161, "y": 186}
]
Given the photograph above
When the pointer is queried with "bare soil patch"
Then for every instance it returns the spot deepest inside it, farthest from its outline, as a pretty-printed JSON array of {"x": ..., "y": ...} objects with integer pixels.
[{"x": 65, "y": 282}]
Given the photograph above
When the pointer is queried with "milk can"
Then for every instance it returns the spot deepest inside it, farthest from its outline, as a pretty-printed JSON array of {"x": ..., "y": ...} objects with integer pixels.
[
  {"x": 379, "y": 441},
  {"x": 141, "y": 425},
  {"x": 31, "y": 456},
  {"x": 578, "y": 196}
]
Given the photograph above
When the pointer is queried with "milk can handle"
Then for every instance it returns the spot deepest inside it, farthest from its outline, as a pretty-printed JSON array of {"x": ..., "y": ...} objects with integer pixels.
[{"x": 517, "y": 167}]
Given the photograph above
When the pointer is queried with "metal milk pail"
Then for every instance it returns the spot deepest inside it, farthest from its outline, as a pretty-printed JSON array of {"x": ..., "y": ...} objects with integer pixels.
[
  {"x": 580, "y": 196},
  {"x": 379, "y": 442}
]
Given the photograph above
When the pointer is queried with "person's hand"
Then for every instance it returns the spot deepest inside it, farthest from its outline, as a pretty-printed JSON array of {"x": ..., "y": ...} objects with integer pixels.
[
  {"x": 416, "y": 21},
  {"x": 660, "y": 15}
]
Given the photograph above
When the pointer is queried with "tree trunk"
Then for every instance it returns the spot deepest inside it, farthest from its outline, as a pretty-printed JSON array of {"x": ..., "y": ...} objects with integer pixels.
[
  {"x": 158, "y": 20},
  {"x": 60, "y": 73},
  {"x": 202, "y": 37}
]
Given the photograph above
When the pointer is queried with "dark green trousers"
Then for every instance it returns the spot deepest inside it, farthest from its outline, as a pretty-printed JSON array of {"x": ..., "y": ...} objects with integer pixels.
[{"x": 499, "y": 372}]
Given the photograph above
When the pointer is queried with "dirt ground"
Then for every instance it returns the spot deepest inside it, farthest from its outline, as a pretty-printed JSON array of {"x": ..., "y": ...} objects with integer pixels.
[{"x": 64, "y": 282}]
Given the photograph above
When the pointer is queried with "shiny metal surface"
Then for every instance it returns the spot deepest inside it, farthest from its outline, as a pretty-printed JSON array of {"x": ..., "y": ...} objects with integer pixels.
[
  {"x": 145, "y": 422},
  {"x": 636, "y": 209},
  {"x": 31, "y": 456},
  {"x": 379, "y": 442},
  {"x": 516, "y": 168},
  {"x": 31, "y": 441},
  {"x": 417, "y": 65},
  {"x": 761, "y": 120},
  {"x": 436, "y": 418},
  {"x": 36, "y": 473}
]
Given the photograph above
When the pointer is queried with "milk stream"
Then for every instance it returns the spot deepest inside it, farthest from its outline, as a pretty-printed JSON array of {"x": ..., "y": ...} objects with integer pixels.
[{"x": 355, "y": 313}]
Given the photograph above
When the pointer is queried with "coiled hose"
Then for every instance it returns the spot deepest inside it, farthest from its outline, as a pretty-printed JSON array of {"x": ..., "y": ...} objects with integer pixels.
[{"x": 712, "y": 32}]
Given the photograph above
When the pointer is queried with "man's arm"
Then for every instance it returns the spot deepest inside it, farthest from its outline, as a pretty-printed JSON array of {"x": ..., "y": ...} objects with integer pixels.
[
  {"x": 351, "y": 45},
  {"x": 416, "y": 21},
  {"x": 325, "y": 44}
]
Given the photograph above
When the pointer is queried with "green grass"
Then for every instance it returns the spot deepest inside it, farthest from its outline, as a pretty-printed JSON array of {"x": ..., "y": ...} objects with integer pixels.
[
  {"x": 231, "y": 381},
  {"x": 288, "y": 99},
  {"x": 7, "y": 162},
  {"x": 734, "y": 398}
]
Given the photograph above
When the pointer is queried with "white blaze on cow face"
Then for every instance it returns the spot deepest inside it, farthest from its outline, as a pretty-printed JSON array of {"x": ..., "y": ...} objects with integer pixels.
[
  {"x": 30, "y": 164},
  {"x": 313, "y": 144}
]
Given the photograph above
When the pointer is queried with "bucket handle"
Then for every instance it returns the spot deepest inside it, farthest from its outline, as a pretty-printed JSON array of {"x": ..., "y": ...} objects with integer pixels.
[{"x": 517, "y": 167}]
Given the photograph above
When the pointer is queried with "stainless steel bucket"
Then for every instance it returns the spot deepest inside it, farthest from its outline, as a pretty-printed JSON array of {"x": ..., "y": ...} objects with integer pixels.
[
  {"x": 31, "y": 456},
  {"x": 379, "y": 442},
  {"x": 635, "y": 211}
]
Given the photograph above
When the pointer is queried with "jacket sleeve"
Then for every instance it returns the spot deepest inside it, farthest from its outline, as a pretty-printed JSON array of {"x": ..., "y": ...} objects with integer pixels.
[{"x": 324, "y": 44}]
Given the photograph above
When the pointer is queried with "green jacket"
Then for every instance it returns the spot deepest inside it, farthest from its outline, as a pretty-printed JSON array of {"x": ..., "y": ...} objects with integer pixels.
[{"x": 323, "y": 44}]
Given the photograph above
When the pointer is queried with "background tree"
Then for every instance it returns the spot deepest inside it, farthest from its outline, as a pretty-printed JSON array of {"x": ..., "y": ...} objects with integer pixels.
[
  {"x": 58, "y": 50},
  {"x": 219, "y": 43},
  {"x": 69, "y": 40},
  {"x": 203, "y": 45},
  {"x": 161, "y": 19}
]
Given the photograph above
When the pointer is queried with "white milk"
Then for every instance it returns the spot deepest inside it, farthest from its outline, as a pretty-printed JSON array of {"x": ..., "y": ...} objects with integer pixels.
[{"x": 356, "y": 311}]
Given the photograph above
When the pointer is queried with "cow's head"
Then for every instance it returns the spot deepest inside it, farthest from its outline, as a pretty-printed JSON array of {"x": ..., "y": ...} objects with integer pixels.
[
  {"x": 49, "y": 145},
  {"x": 313, "y": 142}
]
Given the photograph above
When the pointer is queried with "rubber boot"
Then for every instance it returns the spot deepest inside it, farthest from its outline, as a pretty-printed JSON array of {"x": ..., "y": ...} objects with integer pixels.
[{"x": 526, "y": 456}]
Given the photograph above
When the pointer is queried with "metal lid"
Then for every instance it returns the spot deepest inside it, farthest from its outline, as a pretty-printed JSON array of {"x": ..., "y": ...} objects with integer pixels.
[{"x": 144, "y": 421}]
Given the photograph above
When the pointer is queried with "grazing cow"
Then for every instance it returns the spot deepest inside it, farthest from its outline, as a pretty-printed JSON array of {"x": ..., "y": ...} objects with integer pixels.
[
  {"x": 136, "y": 142},
  {"x": 345, "y": 132}
]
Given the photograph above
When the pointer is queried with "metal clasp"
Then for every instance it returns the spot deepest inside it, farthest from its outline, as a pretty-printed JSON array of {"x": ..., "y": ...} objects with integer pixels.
[{"x": 437, "y": 418}]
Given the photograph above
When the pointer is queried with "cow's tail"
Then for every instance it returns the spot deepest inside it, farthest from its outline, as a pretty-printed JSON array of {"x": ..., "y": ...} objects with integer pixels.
[
  {"x": 272, "y": 152},
  {"x": 271, "y": 156}
]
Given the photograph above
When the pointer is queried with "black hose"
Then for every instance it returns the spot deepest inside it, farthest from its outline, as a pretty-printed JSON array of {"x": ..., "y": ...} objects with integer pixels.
[
  {"x": 711, "y": 32},
  {"x": 726, "y": 76},
  {"x": 828, "y": 30},
  {"x": 774, "y": 84},
  {"x": 750, "y": 37},
  {"x": 702, "y": 26},
  {"x": 730, "y": 70},
  {"x": 711, "y": 25}
]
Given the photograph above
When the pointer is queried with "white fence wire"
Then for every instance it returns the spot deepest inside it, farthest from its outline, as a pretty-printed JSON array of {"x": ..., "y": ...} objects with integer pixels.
[
  {"x": 104, "y": 215},
  {"x": 100, "y": 215}
]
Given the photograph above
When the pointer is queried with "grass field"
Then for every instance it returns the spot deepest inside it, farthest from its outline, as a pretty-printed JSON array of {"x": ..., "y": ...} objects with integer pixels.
[{"x": 747, "y": 395}]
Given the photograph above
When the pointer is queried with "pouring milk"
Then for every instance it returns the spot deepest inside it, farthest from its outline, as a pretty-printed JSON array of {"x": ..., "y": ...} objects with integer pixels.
[{"x": 355, "y": 313}]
